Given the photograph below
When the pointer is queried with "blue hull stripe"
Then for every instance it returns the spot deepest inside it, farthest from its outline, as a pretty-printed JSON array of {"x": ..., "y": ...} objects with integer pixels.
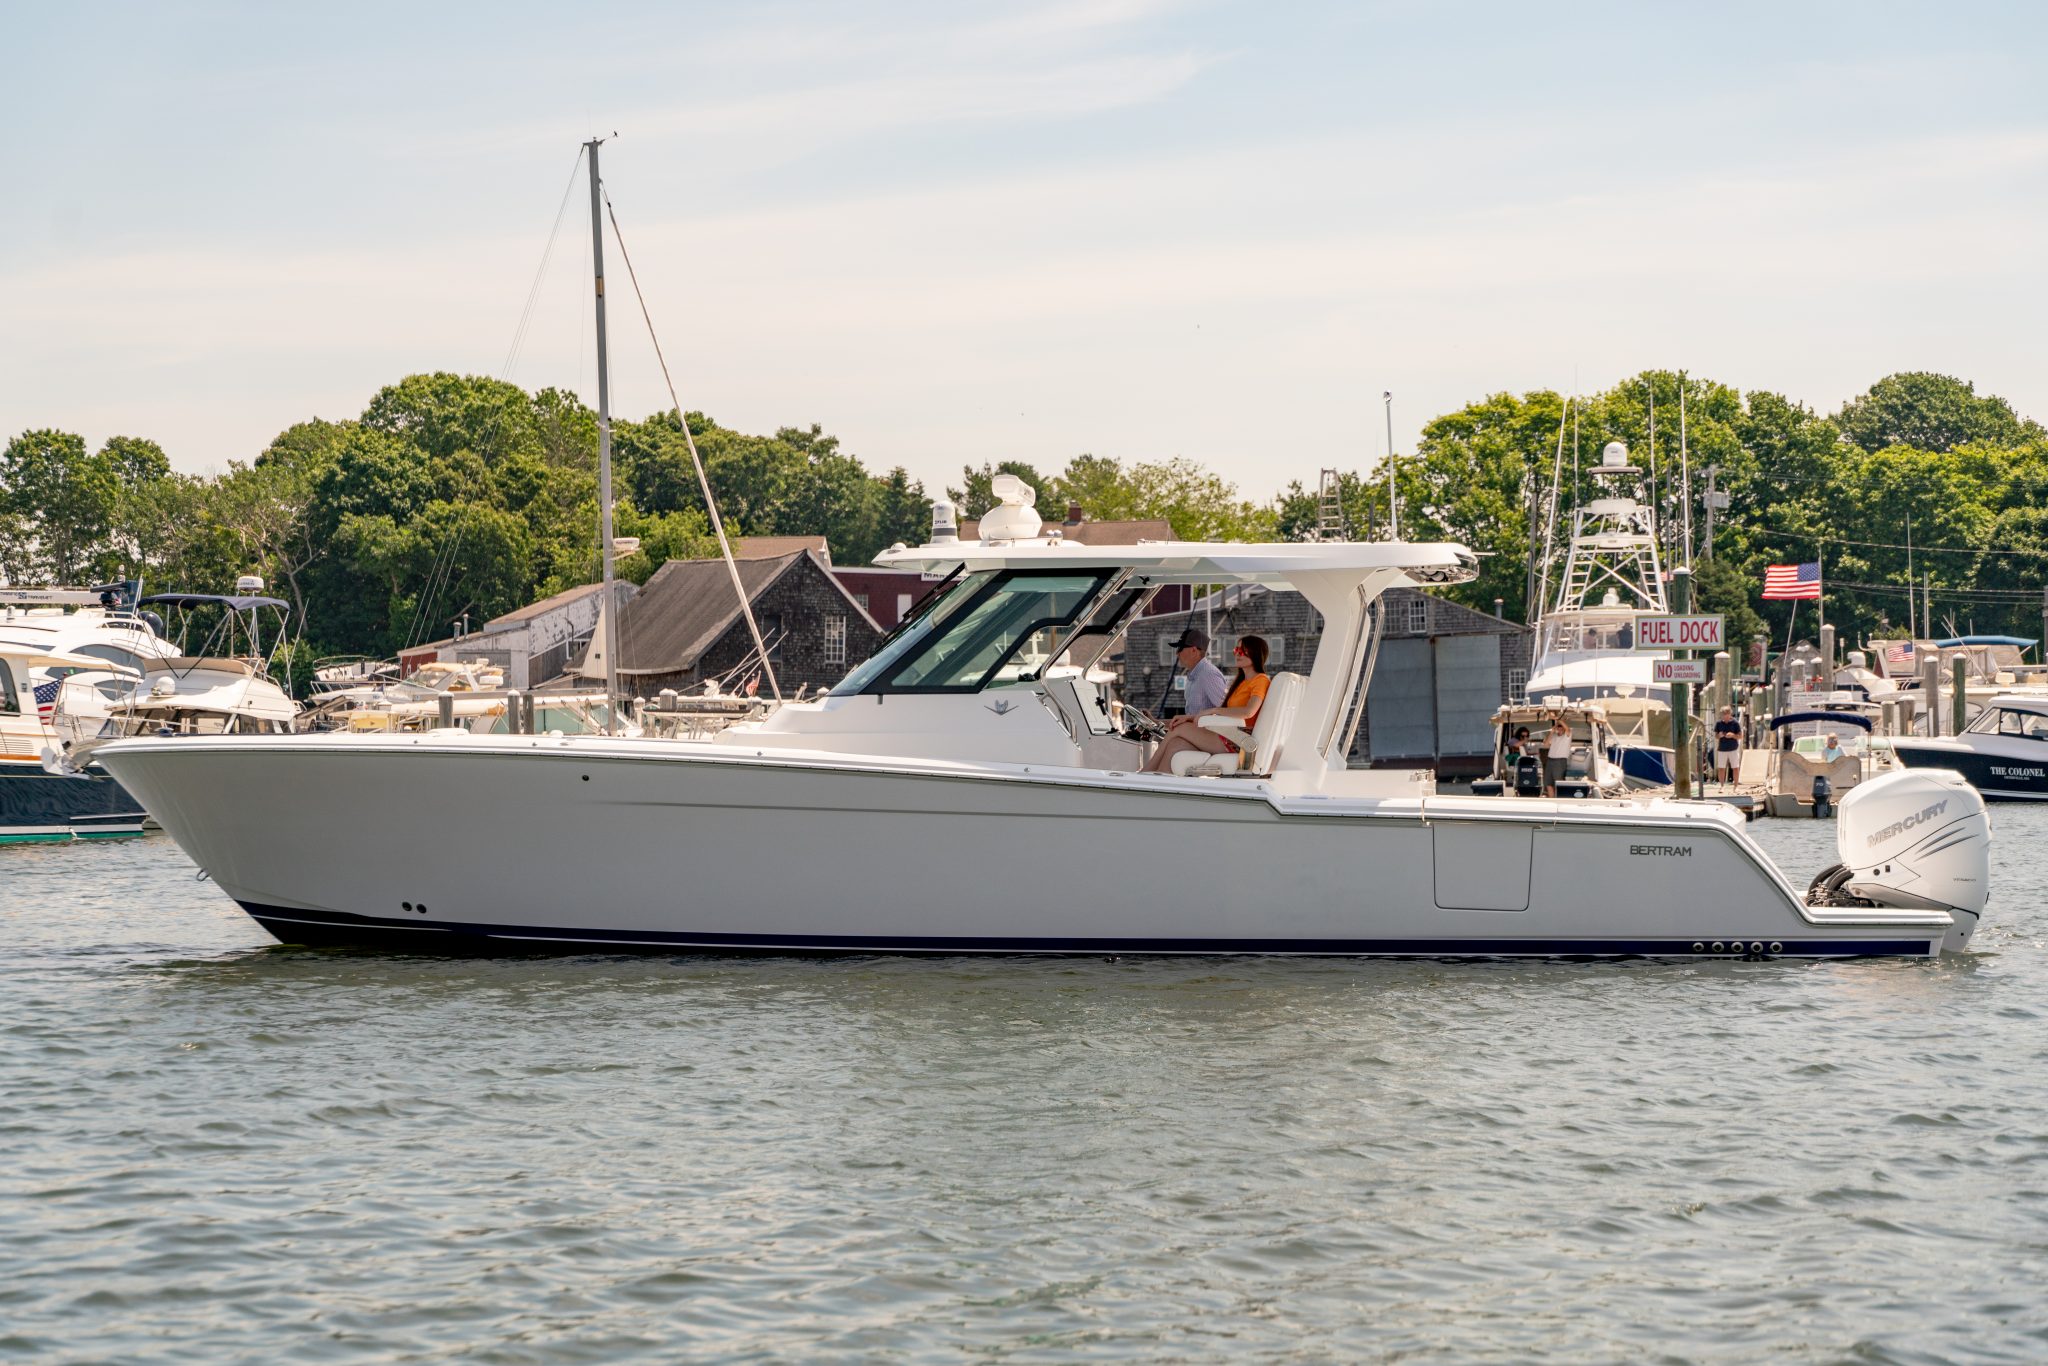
[{"x": 295, "y": 926}]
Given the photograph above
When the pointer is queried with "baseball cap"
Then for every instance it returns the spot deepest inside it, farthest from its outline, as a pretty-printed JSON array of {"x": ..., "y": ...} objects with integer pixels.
[{"x": 1191, "y": 636}]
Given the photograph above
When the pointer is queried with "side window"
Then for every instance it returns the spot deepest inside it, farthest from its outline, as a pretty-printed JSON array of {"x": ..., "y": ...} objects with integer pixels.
[
  {"x": 1518, "y": 684},
  {"x": 835, "y": 640},
  {"x": 1418, "y": 616},
  {"x": 127, "y": 659},
  {"x": 2011, "y": 723},
  {"x": 2037, "y": 727},
  {"x": 10, "y": 701}
]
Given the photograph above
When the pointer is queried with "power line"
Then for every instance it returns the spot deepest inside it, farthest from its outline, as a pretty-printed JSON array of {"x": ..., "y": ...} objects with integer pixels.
[{"x": 1820, "y": 539}]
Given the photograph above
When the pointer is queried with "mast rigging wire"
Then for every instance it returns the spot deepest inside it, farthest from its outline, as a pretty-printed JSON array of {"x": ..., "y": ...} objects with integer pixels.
[
  {"x": 703, "y": 480},
  {"x": 441, "y": 574}
]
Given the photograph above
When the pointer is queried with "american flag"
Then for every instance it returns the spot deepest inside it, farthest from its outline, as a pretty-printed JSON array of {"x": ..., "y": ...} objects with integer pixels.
[
  {"x": 46, "y": 697},
  {"x": 1792, "y": 580},
  {"x": 1900, "y": 655}
]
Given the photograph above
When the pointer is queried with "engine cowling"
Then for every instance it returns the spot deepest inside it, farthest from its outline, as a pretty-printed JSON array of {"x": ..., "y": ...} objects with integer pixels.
[{"x": 1917, "y": 838}]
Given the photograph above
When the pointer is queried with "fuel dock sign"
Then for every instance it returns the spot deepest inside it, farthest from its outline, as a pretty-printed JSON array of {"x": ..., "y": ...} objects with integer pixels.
[{"x": 1679, "y": 633}]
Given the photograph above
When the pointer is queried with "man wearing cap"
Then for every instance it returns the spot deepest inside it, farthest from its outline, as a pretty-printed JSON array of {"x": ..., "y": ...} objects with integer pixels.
[{"x": 1206, "y": 687}]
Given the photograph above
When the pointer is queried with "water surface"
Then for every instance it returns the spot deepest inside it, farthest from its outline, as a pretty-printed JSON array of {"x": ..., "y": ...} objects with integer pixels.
[{"x": 216, "y": 1149}]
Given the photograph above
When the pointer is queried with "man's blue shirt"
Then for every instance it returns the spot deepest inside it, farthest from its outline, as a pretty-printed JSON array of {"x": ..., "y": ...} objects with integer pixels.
[{"x": 1206, "y": 687}]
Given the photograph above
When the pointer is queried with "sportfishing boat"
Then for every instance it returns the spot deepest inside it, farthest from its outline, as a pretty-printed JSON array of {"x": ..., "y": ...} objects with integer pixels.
[
  {"x": 1589, "y": 771},
  {"x": 1585, "y": 639},
  {"x": 2003, "y": 753},
  {"x": 902, "y": 811}
]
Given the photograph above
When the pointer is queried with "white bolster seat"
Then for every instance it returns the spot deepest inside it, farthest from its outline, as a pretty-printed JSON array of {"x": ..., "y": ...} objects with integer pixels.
[{"x": 1258, "y": 750}]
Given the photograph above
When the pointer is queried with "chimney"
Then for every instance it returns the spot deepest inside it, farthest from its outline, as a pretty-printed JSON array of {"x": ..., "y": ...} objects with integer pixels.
[{"x": 1074, "y": 514}]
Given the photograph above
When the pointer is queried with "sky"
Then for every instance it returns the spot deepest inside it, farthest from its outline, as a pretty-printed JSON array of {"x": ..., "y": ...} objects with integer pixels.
[{"x": 952, "y": 233}]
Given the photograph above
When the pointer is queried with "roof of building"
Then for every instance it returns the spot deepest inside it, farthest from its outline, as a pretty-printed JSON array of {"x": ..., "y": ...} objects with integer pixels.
[
  {"x": 541, "y": 608},
  {"x": 774, "y": 547},
  {"x": 1092, "y": 533},
  {"x": 686, "y": 607},
  {"x": 689, "y": 604}
]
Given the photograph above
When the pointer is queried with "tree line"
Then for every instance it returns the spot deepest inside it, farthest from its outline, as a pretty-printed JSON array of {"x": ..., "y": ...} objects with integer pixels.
[
  {"x": 1919, "y": 457},
  {"x": 454, "y": 496}
]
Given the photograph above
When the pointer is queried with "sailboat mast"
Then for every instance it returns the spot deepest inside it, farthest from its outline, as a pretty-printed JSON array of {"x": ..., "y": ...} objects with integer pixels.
[{"x": 604, "y": 449}]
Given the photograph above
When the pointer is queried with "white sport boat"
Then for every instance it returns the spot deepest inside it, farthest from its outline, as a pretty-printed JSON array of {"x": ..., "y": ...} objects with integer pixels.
[
  {"x": 2003, "y": 753},
  {"x": 1585, "y": 638},
  {"x": 897, "y": 813},
  {"x": 907, "y": 810},
  {"x": 224, "y": 688}
]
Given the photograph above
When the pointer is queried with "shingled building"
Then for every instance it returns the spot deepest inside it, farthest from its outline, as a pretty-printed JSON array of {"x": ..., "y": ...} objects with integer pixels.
[{"x": 685, "y": 625}]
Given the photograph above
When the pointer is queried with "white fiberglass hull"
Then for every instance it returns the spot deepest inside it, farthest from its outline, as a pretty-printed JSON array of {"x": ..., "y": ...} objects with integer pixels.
[{"x": 450, "y": 840}]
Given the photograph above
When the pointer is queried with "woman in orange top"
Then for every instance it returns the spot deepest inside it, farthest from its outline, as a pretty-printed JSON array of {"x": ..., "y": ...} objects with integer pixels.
[{"x": 1247, "y": 695}]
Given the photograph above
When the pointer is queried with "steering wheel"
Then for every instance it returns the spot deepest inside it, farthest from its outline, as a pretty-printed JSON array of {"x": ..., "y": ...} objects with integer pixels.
[{"x": 1140, "y": 724}]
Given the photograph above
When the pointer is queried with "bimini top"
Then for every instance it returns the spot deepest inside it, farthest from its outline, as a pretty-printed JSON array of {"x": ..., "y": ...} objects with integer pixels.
[
  {"x": 1269, "y": 562},
  {"x": 234, "y": 601},
  {"x": 1832, "y": 718},
  {"x": 1955, "y": 641}
]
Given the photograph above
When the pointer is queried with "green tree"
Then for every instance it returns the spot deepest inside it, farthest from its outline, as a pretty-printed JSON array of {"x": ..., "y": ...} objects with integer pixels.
[
  {"x": 976, "y": 493},
  {"x": 61, "y": 508},
  {"x": 903, "y": 512},
  {"x": 1930, "y": 412}
]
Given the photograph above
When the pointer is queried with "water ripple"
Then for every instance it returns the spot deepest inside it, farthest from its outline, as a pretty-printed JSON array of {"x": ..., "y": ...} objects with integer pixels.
[{"x": 219, "y": 1150}]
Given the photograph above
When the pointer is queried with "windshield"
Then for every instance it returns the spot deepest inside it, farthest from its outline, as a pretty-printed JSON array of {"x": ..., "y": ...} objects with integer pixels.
[{"x": 960, "y": 644}]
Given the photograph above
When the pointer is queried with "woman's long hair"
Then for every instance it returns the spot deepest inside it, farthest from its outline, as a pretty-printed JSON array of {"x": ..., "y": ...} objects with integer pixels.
[{"x": 1256, "y": 650}]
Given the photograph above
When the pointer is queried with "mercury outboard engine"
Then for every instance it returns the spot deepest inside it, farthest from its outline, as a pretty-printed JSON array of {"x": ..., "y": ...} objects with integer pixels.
[
  {"x": 1823, "y": 796},
  {"x": 1528, "y": 776},
  {"x": 1915, "y": 838}
]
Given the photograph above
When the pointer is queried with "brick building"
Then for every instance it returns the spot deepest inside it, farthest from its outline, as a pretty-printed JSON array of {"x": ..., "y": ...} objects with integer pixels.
[
  {"x": 686, "y": 626},
  {"x": 1442, "y": 669}
]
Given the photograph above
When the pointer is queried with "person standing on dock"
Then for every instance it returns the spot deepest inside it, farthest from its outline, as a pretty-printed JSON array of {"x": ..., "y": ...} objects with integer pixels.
[{"x": 1727, "y": 747}]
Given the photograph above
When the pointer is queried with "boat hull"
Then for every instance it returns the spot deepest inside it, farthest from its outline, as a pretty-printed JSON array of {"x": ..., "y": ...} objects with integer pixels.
[
  {"x": 2016, "y": 771},
  {"x": 37, "y": 806},
  {"x": 1642, "y": 766},
  {"x": 512, "y": 842}
]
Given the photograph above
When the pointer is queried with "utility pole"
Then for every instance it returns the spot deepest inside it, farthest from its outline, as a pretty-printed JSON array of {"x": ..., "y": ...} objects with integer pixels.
[
  {"x": 1393, "y": 495},
  {"x": 1716, "y": 502},
  {"x": 1681, "y": 696}
]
